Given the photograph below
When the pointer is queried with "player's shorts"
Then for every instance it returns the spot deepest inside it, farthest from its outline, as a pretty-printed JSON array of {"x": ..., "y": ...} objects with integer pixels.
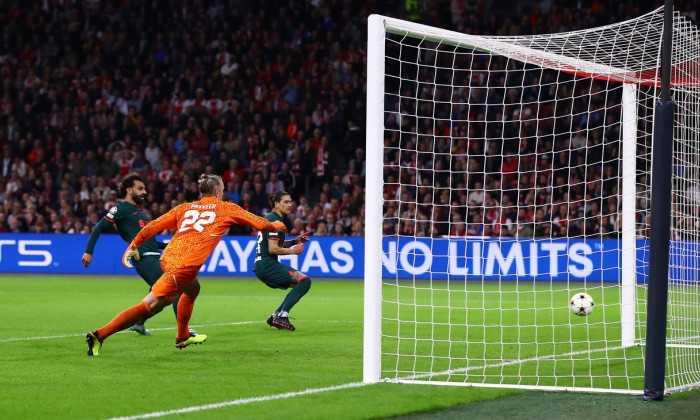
[
  {"x": 174, "y": 282},
  {"x": 274, "y": 274},
  {"x": 148, "y": 268}
]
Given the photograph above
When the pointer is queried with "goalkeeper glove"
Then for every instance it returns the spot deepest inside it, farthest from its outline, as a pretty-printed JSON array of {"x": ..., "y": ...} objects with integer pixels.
[
  {"x": 280, "y": 226},
  {"x": 131, "y": 252}
]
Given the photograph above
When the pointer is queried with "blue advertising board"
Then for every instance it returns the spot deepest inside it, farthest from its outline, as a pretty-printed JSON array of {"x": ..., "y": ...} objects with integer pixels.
[{"x": 403, "y": 257}]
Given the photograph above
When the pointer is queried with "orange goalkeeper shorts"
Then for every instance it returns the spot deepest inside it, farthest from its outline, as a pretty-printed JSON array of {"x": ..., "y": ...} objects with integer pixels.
[{"x": 174, "y": 282}]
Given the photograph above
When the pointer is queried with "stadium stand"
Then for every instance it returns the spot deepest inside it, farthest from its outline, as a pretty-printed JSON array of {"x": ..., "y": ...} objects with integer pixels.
[{"x": 267, "y": 94}]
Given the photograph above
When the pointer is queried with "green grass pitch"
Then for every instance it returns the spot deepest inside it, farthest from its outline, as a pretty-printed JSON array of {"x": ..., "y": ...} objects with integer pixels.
[
  {"x": 244, "y": 370},
  {"x": 508, "y": 333}
]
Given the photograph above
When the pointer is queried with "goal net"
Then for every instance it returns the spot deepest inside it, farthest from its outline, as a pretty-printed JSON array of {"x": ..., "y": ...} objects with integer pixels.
[{"x": 505, "y": 175}]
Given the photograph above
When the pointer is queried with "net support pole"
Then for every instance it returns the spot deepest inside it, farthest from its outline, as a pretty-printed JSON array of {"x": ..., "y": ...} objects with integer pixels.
[
  {"x": 628, "y": 211},
  {"x": 660, "y": 229},
  {"x": 655, "y": 361},
  {"x": 373, "y": 205}
]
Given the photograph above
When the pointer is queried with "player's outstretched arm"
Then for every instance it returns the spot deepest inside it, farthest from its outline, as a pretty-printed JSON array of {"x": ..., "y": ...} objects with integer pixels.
[
  {"x": 243, "y": 217},
  {"x": 100, "y": 227},
  {"x": 166, "y": 221},
  {"x": 302, "y": 238},
  {"x": 275, "y": 249}
]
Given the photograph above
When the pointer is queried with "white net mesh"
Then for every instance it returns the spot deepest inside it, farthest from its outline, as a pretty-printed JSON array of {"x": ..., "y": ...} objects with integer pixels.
[
  {"x": 683, "y": 336},
  {"x": 507, "y": 190}
]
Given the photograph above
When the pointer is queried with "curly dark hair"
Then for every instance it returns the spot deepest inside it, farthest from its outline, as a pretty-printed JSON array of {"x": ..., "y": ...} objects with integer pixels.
[{"x": 128, "y": 182}]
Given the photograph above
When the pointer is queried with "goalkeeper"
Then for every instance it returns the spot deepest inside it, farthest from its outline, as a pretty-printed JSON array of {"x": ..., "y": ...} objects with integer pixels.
[
  {"x": 128, "y": 219},
  {"x": 275, "y": 274},
  {"x": 200, "y": 226}
]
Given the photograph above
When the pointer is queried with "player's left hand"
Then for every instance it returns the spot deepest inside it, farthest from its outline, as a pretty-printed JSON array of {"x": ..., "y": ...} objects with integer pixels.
[
  {"x": 297, "y": 249},
  {"x": 86, "y": 260},
  {"x": 130, "y": 253}
]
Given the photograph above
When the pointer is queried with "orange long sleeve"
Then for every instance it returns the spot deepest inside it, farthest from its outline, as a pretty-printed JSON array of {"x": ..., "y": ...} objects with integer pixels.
[
  {"x": 200, "y": 226},
  {"x": 166, "y": 221},
  {"x": 244, "y": 217}
]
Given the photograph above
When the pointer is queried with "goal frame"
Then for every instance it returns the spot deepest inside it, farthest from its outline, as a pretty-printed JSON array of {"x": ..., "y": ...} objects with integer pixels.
[
  {"x": 377, "y": 29},
  {"x": 372, "y": 357}
]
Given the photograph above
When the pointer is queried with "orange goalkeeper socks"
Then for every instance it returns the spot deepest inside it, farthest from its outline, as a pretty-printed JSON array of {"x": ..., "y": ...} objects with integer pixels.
[
  {"x": 124, "y": 320},
  {"x": 184, "y": 313}
]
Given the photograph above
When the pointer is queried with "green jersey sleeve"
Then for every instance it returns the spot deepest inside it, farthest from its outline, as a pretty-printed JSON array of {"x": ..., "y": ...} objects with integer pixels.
[{"x": 100, "y": 227}]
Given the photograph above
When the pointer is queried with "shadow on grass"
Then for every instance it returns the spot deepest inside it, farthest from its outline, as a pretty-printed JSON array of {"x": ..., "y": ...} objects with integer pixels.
[{"x": 562, "y": 405}]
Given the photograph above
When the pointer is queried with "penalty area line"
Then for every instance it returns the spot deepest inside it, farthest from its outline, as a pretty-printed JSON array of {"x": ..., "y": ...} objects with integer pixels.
[
  {"x": 241, "y": 401},
  {"x": 51, "y": 337},
  {"x": 226, "y": 324}
]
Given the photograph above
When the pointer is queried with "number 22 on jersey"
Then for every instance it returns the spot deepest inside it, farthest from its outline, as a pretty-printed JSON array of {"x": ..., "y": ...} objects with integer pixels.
[{"x": 196, "y": 220}]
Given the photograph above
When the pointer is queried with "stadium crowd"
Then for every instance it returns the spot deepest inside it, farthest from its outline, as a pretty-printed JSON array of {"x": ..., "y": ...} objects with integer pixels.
[{"x": 268, "y": 97}]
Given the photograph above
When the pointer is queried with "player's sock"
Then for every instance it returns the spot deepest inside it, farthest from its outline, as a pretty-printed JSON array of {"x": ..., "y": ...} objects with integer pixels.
[
  {"x": 175, "y": 303},
  {"x": 295, "y": 294},
  {"x": 184, "y": 313},
  {"x": 125, "y": 319}
]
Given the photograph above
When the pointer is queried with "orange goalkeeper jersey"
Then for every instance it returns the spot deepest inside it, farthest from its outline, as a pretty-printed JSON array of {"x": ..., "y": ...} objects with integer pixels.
[{"x": 200, "y": 226}]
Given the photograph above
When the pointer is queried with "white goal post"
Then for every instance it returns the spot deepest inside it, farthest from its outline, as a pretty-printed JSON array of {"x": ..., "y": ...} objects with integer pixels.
[{"x": 504, "y": 175}]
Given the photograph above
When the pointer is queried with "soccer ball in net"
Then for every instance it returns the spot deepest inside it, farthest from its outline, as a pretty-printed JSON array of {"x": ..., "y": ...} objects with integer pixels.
[{"x": 581, "y": 304}]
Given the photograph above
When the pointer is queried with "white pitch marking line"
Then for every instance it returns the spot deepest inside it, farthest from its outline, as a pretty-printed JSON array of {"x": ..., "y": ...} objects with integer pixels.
[
  {"x": 124, "y": 331},
  {"x": 241, "y": 401},
  {"x": 228, "y": 324}
]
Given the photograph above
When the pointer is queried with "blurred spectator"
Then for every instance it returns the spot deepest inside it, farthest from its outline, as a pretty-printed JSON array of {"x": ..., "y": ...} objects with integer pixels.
[
  {"x": 271, "y": 106},
  {"x": 321, "y": 228},
  {"x": 339, "y": 230}
]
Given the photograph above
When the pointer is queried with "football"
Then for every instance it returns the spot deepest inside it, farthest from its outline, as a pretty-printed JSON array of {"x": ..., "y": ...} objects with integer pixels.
[{"x": 581, "y": 304}]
